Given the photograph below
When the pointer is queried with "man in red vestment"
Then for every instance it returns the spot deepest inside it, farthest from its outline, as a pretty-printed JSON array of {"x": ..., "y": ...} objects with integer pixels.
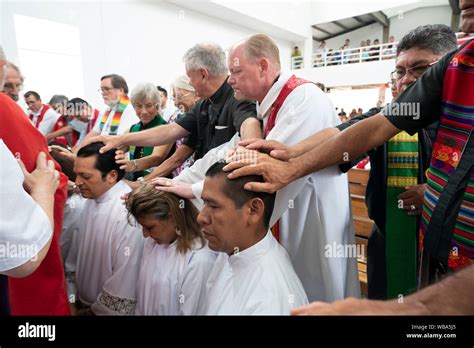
[{"x": 44, "y": 291}]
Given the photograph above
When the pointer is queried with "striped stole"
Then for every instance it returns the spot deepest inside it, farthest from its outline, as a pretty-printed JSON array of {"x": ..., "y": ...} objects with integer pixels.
[
  {"x": 452, "y": 245},
  {"x": 119, "y": 109}
]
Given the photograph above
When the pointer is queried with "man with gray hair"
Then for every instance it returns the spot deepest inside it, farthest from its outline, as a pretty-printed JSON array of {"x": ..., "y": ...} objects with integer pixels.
[
  {"x": 213, "y": 121},
  {"x": 391, "y": 250},
  {"x": 13, "y": 81},
  {"x": 311, "y": 218},
  {"x": 397, "y": 183}
]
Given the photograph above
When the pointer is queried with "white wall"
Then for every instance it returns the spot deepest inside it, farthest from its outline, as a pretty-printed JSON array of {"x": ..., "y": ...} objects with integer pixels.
[
  {"x": 146, "y": 46},
  {"x": 422, "y": 16},
  {"x": 357, "y": 98}
]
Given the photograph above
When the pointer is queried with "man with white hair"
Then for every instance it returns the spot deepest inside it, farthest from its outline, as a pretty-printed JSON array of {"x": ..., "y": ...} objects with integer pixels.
[
  {"x": 13, "y": 81},
  {"x": 213, "y": 120}
]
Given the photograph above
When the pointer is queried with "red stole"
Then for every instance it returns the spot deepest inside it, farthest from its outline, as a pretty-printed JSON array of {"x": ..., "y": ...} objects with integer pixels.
[
  {"x": 43, "y": 292},
  {"x": 41, "y": 115},
  {"x": 288, "y": 87},
  {"x": 67, "y": 139}
]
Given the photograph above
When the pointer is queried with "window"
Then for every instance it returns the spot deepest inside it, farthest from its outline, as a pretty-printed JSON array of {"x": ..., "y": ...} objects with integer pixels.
[{"x": 49, "y": 57}]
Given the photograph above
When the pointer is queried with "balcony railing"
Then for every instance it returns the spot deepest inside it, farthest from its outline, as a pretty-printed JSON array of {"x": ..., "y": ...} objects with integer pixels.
[
  {"x": 357, "y": 54},
  {"x": 348, "y": 56}
]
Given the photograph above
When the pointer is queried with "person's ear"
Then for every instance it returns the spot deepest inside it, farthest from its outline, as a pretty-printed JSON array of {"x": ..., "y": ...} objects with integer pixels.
[
  {"x": 204, "y": 74},
  {"x": 112, "y": 177},
  {"x": 263, "y": 65},
  {"x": 256, "y": 210}
]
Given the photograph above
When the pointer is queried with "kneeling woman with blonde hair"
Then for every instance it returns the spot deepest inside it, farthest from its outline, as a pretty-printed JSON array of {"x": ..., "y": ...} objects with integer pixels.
[{"x": 176, "y": 261}]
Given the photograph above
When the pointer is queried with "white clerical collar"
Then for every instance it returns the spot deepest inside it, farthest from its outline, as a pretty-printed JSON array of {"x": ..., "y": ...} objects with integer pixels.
[
  {"x": 112, "y": 193},
  {"x": 265, "y": 106},
  {"x": 250, "y": 255}
]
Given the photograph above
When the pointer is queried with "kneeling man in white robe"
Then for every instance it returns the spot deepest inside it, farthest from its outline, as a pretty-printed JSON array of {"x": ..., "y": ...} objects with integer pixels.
[
  {"x": 253, "y": 274},
  {"x": 110, "y": 246}
]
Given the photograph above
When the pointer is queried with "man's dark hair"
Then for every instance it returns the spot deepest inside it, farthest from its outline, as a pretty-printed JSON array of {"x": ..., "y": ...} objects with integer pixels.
[
  {"x": 32, "y": 93},
  {"x": 105, "y": 162},
  {"x": 117, "y": 81},
  {"x": 78, "y": 102},
  {"x": 161, "y": 89},
  {"x": 76, "y": 105},
  {"x": 234, "y": 189},
  {"x": 437, "y": 38}
]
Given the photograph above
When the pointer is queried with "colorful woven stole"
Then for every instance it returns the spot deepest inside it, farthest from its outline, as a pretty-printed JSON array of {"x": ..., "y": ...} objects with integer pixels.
[
  {"x": 288, "y": 87},
  {"x": 119, "y": 109},
  {"x": 400, "y": 228},
  {"x": 456, "y": 125}
]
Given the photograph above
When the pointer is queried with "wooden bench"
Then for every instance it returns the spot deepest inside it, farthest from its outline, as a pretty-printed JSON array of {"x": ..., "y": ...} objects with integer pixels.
[{"x": 362, "y": 224}]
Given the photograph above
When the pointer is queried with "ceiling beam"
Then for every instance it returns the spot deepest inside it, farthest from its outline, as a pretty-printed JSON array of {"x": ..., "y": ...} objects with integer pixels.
[
  {"x": 340, "y": 25},
  {"x": 357, "y": 18},
  {"x": 380, "y": 18},
  {"x": 321, "y": 30},
  {"x": 330, "y": 35}
]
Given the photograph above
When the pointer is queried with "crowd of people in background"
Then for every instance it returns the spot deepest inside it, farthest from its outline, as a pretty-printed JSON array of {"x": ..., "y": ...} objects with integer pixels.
[{"x": 366, "y": 52}]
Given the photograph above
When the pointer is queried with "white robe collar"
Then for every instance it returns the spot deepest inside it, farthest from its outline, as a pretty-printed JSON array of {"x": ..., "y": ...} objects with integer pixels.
[
  {"x": 112, "y": 192},
  {"x": 250, "y": 255},
  {"x": 265, "y": 106}
]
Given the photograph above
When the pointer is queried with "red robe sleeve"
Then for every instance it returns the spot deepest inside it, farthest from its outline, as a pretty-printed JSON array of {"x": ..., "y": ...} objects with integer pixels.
[{"x": 44, "y": 291}]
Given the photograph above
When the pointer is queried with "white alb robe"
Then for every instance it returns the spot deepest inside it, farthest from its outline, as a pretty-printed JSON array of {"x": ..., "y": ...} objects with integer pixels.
[
  {"x": 172, "y": 283},
  {"x": 128, "y": 119},
  {"x": 47, "y": 123},
  {"x": 24, "y": 226},
  {"x": 259, "y": 280},
  {"x": 109, "y": 255},
  {"x": 314, "y": 211},
  {"x": 69, "y": 241}
]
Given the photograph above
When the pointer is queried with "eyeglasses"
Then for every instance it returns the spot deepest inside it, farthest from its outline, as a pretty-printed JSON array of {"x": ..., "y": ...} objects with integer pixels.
[
  {"x": 105, "y": 89},
  {"x": 415, "y": 71},
  {"x": 148, "y": 107},
  {"x": 11, "y": 86}
]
